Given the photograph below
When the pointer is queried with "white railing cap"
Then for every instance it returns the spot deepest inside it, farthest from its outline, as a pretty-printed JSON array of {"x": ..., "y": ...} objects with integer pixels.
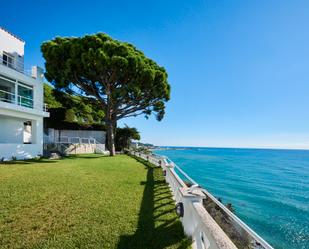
[{"x": 210, "y": 227}]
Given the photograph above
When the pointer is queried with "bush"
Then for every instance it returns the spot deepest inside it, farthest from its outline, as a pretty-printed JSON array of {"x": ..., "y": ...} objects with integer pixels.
[{"x": 70, "y": 116}]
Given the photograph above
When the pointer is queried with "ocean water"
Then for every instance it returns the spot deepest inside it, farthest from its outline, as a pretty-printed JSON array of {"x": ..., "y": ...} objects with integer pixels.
[{"x": 269, "y": 189}]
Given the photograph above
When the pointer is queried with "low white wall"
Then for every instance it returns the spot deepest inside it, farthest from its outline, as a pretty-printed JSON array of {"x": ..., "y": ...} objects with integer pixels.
[
  {"x": 80, "y": 149},
  {"x": 76, "y": 148},
  {"x": 20, "y": 151}
]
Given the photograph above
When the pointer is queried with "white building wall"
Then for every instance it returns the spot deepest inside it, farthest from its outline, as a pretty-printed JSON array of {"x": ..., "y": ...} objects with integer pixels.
[
  {"x": 11, "y": 136},
  {"x": 13, "y": 115},
  {"x": 10, "y": 43},
  {"x": 11, "y": 130},
  {"x": 19, "y": 151},
  {"x": 13, "y": 45}
]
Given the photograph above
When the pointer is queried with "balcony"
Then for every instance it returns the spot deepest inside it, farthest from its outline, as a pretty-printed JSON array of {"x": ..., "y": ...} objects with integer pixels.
[
  {"x": 17, "y": 65},
  {"x": 23, "y": 101}
]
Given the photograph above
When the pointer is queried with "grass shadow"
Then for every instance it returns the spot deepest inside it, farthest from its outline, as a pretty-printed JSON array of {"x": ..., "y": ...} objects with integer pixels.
[
  {"x": 158, "y": 225},
  {"x": 84, "y": 156},
  {"x": 27, "y": 161},
  {"x": 45, "y": 160}
]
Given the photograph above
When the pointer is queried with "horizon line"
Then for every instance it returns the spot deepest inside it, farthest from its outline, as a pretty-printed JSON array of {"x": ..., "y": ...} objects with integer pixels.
[{"x": 216, "y": 147}]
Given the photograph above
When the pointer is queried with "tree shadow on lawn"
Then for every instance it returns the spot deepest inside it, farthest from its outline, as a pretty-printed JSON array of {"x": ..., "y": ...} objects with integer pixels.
[
  {"x": 27, "y": 161},
  {"x": 158, "y": 225},
  {"x": 45, "y": 160},
  {"x": 85, "y": 156}
]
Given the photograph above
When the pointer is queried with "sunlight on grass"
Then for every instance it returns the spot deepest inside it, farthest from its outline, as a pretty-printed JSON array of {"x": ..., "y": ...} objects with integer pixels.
[{"x": 87, "y": 202}]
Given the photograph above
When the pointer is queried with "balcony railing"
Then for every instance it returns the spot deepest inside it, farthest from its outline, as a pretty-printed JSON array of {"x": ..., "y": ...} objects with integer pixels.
[
  {"x": 15, "y": 65},
  {"x": 11, "y": 98}
]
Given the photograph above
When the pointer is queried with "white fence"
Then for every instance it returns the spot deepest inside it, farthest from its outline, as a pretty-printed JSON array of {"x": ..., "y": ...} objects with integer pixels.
[
  {"x": 74, "y": 136},
  {"x": 75, "y": 141},
  {"x": 197, "y": 222},
  {"x": 98, "y": 146}
]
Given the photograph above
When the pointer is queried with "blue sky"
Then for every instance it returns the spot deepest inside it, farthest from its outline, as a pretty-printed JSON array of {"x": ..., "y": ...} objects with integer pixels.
[{"x": 238, "y": 69}]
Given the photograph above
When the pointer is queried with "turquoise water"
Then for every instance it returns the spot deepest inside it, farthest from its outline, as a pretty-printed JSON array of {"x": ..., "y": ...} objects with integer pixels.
[{"x": 269, "y": 189}]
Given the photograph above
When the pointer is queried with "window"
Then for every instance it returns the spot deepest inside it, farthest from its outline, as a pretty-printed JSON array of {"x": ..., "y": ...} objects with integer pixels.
[
  {"x": 27, "y": 136},
  {"x": 7, "y": 91},
  {"x": 25, "y": 96},
  {"x": 8, "y": 59}
]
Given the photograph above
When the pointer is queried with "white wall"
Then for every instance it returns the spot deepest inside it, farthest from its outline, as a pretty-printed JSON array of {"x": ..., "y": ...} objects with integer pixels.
[
  {"x": 11, "y": 137},
  {"x": 13, "y": 45},
  {"x": 20, "y": 151},
  {"x": 12, "y": 116},
  {"x": 11, "y": 130},
  {"x": 10, "y": 43}
]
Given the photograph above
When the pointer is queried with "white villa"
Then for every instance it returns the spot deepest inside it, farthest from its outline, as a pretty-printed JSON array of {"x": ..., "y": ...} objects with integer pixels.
[{"x": 21, "y": 102}]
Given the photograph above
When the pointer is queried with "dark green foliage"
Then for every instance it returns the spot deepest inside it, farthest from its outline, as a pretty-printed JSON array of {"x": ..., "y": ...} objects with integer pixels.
[
  {"x": 49, "y": 97},
  {"x": 67, "y": 108},
  {"x": 144, "y": 150},
  {"x": 124, "y": 136},
  {"x": 124, "y": 81},
  {"x": 57, "y": 121},
  {"x": 70, "y": 116}
]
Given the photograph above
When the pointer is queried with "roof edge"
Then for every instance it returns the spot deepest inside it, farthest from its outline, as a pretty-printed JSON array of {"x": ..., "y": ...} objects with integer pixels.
[{"x": 10, "y": 33}]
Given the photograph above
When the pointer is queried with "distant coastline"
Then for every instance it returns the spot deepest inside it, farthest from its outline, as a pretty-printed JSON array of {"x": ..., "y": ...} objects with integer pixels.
[{"x": 207, "y": 147}]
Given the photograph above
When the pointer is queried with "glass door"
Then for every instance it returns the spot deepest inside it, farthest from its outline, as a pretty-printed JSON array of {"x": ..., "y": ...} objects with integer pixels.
[{"x": 25, "y": 96}]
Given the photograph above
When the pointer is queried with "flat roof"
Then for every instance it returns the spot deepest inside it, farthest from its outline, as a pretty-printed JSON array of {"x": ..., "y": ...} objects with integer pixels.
[{"x": 15, "y": 36}]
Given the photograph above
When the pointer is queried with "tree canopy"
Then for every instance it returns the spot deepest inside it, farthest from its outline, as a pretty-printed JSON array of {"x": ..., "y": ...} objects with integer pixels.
[
  {"x": 124, "y": 81},
  {"x": 69, "y": 111},
  {"x": 50, "y": 98},
  {"x": 124, "y": 136}
]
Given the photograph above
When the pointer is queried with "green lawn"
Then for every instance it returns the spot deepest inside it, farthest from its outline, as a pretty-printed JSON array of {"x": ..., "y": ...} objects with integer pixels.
[{"x": 87, "y": 202}]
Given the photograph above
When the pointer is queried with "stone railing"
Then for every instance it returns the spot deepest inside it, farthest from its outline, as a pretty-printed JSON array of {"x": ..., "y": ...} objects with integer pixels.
[{"x": 197, "y": 222}]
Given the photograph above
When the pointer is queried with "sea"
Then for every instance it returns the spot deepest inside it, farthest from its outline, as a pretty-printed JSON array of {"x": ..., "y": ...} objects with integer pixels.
[{"x": 268, "y": 188}]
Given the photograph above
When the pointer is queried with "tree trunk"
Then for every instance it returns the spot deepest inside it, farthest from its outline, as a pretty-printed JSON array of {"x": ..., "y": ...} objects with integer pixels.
[
  {"x": 110, "y": 138},
  {"x": 110, "y": 123}
]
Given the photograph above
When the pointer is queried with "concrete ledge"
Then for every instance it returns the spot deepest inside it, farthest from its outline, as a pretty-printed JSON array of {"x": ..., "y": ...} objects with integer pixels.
[{"x": 217, "y": 237}]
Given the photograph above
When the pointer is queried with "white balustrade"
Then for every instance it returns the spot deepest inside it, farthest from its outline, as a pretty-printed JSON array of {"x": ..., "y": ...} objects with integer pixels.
[
  {"x": 76, "y": 140},
  {"x": 196, "y": 221}
]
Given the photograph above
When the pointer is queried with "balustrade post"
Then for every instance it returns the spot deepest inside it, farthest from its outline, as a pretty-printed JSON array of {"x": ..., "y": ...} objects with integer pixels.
[
  {"x": 188, "y": 197},
  {"x": 168, "y": 168}
]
